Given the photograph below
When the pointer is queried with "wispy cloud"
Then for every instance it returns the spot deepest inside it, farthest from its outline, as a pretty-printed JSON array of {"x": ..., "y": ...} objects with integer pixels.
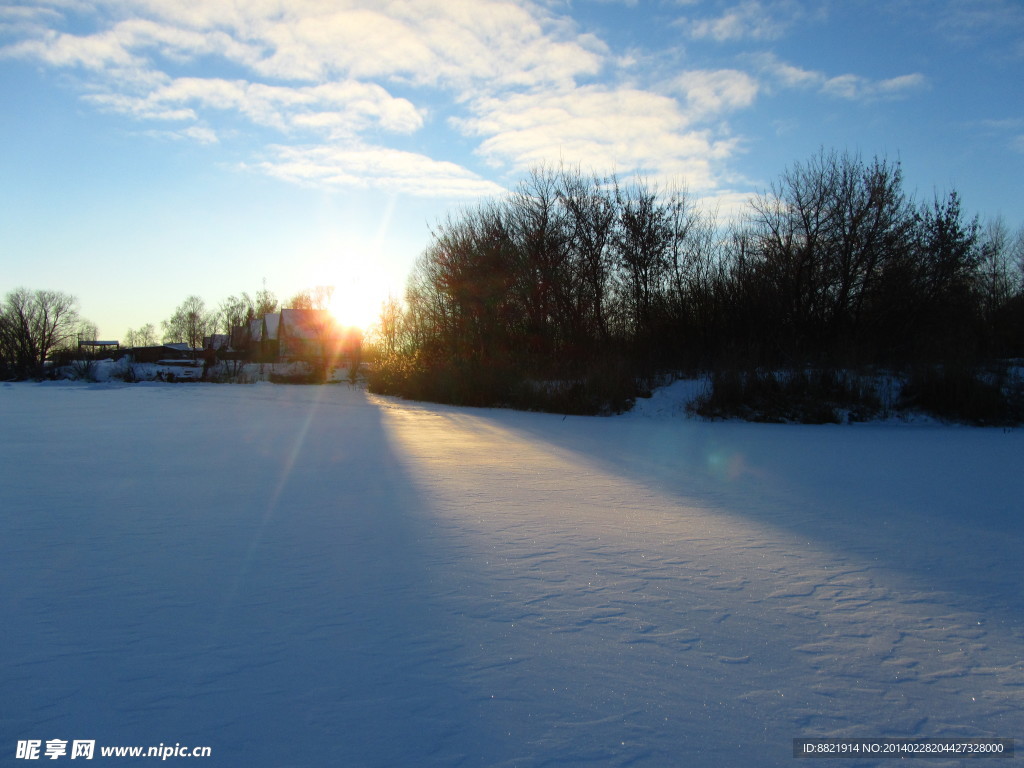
[
  {"x": 99, "y": 52},
  {"x": 1004, "y": 132},
  {"x": 197, "y": 133},
  {"x": 366, "y": 166},
  {"x": 857, "y": 88},
  {"x": 780, "y": 74},
  {"x": 338, "y": 108},
  {"x": 631, "y": 129},
  {"x": 750, "y": 20},
  {"x": 328, "y": 69},
  {"x": 975, "y": 20},
  {"x": 522, "y": 83}
]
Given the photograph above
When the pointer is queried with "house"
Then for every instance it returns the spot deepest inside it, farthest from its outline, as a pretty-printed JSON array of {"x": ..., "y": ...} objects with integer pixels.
[
  {"x": 307, "y": 334},
  {"x": 219, "y": 341},
  {"x": 295, "y": 334},
  {"x": 258, "y": 339}
]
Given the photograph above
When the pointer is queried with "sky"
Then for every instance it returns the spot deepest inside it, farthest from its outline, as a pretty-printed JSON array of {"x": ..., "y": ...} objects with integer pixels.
[{"x": 155, "y": 149}]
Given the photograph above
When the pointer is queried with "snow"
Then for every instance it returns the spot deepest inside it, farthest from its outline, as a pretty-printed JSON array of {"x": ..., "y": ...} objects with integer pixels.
[{"x": 301, "y": 575}]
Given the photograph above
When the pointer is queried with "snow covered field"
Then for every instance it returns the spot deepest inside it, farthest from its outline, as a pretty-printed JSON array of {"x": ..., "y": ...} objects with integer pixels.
[{"x": 307, "y": 576}]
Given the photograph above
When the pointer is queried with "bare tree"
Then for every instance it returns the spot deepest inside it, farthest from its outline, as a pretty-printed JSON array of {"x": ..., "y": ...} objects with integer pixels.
[
  {"x": 87, "y": 330},
  {"x": 235, "y": 311},
  {"x": 823, "y": 236},
  {"x": 388, "y": 326},
  {"x": 591, "y": 212},
  {"x": 33, "y": 324},
  {"x": 312, "y": 298},
  {"x": 537, "y": 226},
  {"x": 190, "y": 323},
  {"x": 642, "y": 242},
  {"x": 301, "y": 300},
  {"x": 997, "y": 267},
  {"x": 147, "y": 335},
  {"x": 265, "y": 302},
  {"x": 142, "y": 337},
  {"x": 1017, "y": 258}
]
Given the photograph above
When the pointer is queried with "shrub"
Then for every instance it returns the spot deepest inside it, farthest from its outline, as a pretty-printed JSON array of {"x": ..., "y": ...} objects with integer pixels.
[
  {"x": 606, "y": 386},
  {"x": 231, "y": 371},
  {"x": 82, "y": 370},
  {"x": 965, "y": 393},
  {"x": 815, "y": 396}
]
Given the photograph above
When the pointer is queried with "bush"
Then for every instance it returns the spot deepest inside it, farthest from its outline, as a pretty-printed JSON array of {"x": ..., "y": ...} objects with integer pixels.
[
  {"x": 817, "y": 396},
  {"x": 607, "y": 386},
  {"x": 129, "y": 374},
  {"x": 964, "y": 393},
  {"x": 231, "y": 371},
  {"x": 82, "y": 370}
]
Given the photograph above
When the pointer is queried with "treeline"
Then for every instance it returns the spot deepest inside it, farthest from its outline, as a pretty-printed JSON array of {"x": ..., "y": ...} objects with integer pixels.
[
  {"x": 38, "y": 327},
  {"x": 573, "y": 291},
  {"x": 193, "y": 320}
]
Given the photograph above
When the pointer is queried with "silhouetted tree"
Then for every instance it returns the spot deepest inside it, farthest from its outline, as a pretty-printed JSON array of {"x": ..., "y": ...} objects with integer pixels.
[
  {"x": 32, "y": 325},
  {"x": 573, "y": 286},
  {"x": 590, "y": 215},
  {"x": 190, "y": 323}
]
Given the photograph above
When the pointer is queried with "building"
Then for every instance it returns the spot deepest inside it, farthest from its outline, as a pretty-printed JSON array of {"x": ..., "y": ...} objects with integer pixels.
[
  {"x": 306, "y": 334},
  {"x": 310, "y": 335},
  {"x": 219, "y": 341},
  {"x": 161, "y": 353},
  {"x": 258, "y": 339}
]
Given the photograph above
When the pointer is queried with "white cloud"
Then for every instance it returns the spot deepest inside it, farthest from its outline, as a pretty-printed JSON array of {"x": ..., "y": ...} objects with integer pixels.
[
  {"x": 444, "y": 43},
  {"x": 19, "y": 19},
  {"x": 847, "y": 86},
  {"x": 347, "y": 106},
  {"x": 992, "y": 23},
  {"x": 364, "y": 166},
  {"x": 140, "y": 107},
  {"x": 624, "y": 129},
  {"x": 857, "y": 88},
  {"x": 196, "y": 133},
  {"x": 728, "y": 205},
  {"x": 322, "y": 67},
  {"x": 751, "y": 20},
  {"x": 182, "y": 45},
  {"x": 712, "y": 92},
  {"x": 897, "y": 86},
  {"x": 98, "y": 52},
  {"x": 787, "y": 75}
]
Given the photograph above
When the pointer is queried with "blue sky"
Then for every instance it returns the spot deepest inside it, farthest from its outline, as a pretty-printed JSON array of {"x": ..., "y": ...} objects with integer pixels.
[{"x": 153, "y": 149}]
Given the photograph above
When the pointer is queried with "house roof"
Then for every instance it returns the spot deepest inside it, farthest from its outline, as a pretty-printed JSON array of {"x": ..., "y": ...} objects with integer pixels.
[
  {"x": 272, "y": 323},
  {"x": 217, "y": 340},
  {"x": 307, "y": 323}
]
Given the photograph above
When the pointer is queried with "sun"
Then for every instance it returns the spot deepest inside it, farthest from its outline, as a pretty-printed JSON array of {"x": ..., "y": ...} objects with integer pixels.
[{"x": 354, "y": 304}]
